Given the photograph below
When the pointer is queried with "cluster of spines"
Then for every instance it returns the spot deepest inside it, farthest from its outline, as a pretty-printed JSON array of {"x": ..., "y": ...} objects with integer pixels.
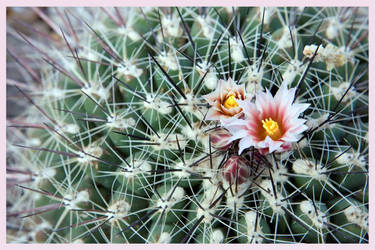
[{"x": 128, "y": 149}]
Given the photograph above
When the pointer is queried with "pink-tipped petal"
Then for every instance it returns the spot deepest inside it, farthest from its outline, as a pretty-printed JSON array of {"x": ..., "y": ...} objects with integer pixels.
[
  {"x": 290, "y": 137},
  {"x": 245, "y": 143},
  {"x": 299, "y": 129},
  {"x": 272, "y": 145},
  {"x": 237, "y": 134},
  {"x": 213, "y": 115},
  {"x": 248, "y": 108}
]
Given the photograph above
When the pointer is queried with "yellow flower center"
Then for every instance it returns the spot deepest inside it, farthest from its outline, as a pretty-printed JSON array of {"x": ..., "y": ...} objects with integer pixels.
[
  {"x": 230, "y": 102},
  {"x": 272, "y": 129}
]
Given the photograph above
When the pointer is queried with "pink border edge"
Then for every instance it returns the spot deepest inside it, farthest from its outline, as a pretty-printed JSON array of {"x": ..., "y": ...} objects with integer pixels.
[{"x": 5, "y": 3}]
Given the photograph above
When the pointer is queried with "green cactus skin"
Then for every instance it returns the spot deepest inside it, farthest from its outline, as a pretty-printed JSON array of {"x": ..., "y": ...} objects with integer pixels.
[{"x": 115, "y": 145}]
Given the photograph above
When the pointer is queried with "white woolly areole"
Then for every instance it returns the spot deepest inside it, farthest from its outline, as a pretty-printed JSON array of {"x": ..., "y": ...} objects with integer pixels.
[
  {"x": 167, "y": 143},
  {"x": 120, "y": 122},
  {"x": 357, "y": 216},
  {"x": 184, "y": 173},
  {"x": 338, "y": 92},
  {"x": 118, "y": 210},
  {"x": 192, "y": 133},
  {"x": 90, "y": 54},
  {"x": 129, "y": 70},
  {"x": 269, "y": 12},
  {"x": 292, "y": 71},
  {"x": 129, "y": 32},
  {"x": 166, "y": 204},
  {"x": 280, "y": 174},
  {"x": 47, "y": 173},
  {"x": 317, "y": 217},
  {"x": 307, "y": 167},
  {"x": 96, "y": 89},
  {"x": 254, "y": 80},
  {"x": 190, "y": 105},
  {"x": 164, "y": 238},
  {"x": 206, "y": 23},
  {"x": 236, "y": 50},
  {"x": 71, "y": 128},
  {"x": 275, "y": 203},
  {"x": 256, "y": 235},
  {"x": 207, "y": 219},
  {"x": 169, "y": 60},
  {"x": 157, "y": 104},
  {"x": 285, "y": 40},
  {"x": 34, "y": 142},
  {"x": 312, "y": 123},
  {"x": 333, "y": 56},
  {"x": 196, "y": 134},
  {"x": 43, "y": 174},
  {"x": 354, "y": 158},
  {"x": 72, "y": 201},
  {"x": 139, "y": 166},
  {"x": 202, "y": 67},
  {"x": 178, "y": 194},
  {"x": 210, "y": 80},
  {"x": 236, "y": 201},
  {"x": 217, "y": 236},
  {"x": 54, "y": 93},
  {"x": 93, "y": 150},
  {"x": 171, "y": 25},
  {"x": 333, "y": 28}
]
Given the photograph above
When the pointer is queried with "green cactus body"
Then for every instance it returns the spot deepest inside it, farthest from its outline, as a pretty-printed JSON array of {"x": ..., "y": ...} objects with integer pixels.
[{"x": 190, "y": 125}]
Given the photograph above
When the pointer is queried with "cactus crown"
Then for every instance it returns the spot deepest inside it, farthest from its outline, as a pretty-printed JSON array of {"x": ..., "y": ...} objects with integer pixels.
[{"x": 182, "y": 125}]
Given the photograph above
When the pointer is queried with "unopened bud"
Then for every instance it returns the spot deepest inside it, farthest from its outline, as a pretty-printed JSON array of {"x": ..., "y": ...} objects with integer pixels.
[
  {"x": 236, "y": 169},
  {"x": 220, "y": 139}
]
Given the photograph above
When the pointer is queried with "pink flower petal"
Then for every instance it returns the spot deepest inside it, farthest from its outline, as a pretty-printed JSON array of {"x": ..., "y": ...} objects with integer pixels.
[
  {"x": 245, "y": 143},
  {"x": 238, "y": 134},
  {"x": 213, "y": 115},
  {"x": 289, "y": 137},
  {"x": 285, "y": 96},
  {"x": 248, "y": 108},
  {"x": 272, "y": 145}
]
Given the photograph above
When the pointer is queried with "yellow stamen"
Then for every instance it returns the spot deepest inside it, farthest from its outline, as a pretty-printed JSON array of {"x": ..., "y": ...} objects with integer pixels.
[
  {"x": 272, "y": 129},
  {"x": 230, "y": 102}
]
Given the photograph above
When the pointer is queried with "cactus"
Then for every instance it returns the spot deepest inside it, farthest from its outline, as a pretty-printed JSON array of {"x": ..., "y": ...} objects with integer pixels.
[{"x": 131, "y": 133}]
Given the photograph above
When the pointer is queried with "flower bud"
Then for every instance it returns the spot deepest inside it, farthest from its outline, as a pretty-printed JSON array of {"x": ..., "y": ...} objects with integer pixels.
[
  {"x": 220, "y": 139},
  {"x": 234, "y": 168}
]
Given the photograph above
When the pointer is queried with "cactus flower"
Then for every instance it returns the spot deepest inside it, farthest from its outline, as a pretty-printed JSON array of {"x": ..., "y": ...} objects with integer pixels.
[
  {"x": 234, "y": 168},
  {"x": 271, "y": 124},
  {"x": 224, "y": 99}
]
